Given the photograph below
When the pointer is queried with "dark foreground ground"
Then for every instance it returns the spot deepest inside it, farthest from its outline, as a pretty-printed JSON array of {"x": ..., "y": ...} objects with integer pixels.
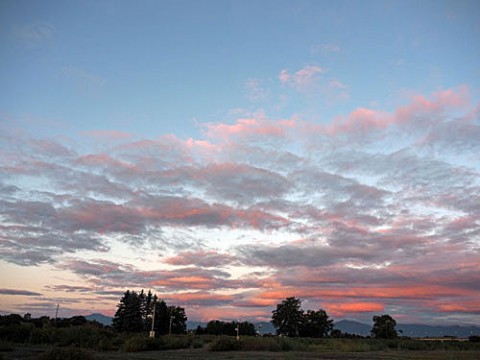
[{"x": 30, "y": 353}]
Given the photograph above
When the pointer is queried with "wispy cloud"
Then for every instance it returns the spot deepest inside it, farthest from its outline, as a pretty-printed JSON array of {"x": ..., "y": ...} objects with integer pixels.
[
  {"x": 84, "y": 80},
  {"x": 312, "y": 81},
  {"x": 255, "y": 91},
  {"x": 326, "y": 48},
  {"x": 18, "y": 292},
  {"x": 34, "y": 35},
  {"x": 304, "y": 79}
]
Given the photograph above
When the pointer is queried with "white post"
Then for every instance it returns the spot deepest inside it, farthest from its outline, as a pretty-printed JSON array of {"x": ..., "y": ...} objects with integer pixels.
[{"x": 152, "y": 331}]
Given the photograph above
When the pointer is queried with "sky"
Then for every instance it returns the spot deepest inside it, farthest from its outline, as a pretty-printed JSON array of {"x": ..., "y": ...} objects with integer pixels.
[{"x": 229, "y": 154}]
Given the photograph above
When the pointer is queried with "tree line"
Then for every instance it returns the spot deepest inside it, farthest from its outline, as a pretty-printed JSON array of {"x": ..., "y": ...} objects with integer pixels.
[
  {"x": 289, "y": 319},
  {"x": 136, "y": 311},
  {"x": 140, "y": 312},
  {"x": 232, "y": 328}
]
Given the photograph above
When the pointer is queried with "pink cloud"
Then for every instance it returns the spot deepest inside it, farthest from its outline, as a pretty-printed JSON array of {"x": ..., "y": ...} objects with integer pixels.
[
  {"x": 349, "y": 308},
  {"x": 227, "y": 313},
  {"x": 284, "y": 76},
  {"x": 244, "y": 128},
  {"x": 468, "y": 307},
  {"x": 201, "y": 145},
  {"x": 364, "y": 120},
  {"x": 439, "y": 102},
  {"x": 187, "y": 282}
]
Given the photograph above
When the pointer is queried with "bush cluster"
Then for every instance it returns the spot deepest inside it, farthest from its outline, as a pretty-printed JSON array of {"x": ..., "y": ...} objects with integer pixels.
[
  {"x": 228, "y": 343},
  {"x": 170, "y": 342}
]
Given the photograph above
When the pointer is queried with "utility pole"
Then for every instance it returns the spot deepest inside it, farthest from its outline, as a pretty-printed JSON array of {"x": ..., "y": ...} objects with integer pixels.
[
  {"x": 152, "y": 331},
  {"x": 238, "y": 331},
  {"x": 170, "y": 326},
  {"x": 56, "y": 314}
]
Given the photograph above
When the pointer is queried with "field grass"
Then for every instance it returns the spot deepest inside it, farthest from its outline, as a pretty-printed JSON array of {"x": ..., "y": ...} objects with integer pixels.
[
  {"x": 36, "y": 353},
  {"x": 223, "y": 347}
]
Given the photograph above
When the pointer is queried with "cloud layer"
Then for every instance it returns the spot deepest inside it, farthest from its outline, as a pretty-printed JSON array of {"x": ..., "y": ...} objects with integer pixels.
[{"x": 376, "y": 211}]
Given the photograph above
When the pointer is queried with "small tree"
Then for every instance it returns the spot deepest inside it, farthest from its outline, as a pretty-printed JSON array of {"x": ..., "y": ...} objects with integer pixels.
[
  {"x": 384, "y": 327},
  {"x": 288, "y": 317}
]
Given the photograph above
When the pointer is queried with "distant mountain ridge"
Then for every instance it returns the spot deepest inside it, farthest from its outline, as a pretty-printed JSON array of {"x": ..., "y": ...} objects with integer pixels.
[
  {"x": 411, "y": 330},
  {"x": 102, "y": 319},
  {"x": 348, "y": 326}
]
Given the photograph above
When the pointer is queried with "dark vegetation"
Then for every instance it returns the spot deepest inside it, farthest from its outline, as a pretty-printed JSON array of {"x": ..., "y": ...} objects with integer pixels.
[
  {"x": 290, "y": 320},
  {"x": 77, "y": 338},
  {"x": 136, "y": 311},
  {"x": 216, "y": 327}
]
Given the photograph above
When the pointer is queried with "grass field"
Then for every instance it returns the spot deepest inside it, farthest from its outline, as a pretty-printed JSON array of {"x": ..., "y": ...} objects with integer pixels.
[
  {"x": 36, "y": 353},
  {"x": 87, "y": 344}
]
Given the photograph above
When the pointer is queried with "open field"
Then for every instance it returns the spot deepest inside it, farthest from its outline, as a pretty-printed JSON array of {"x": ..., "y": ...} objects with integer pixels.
[
  {"x": 93, "y": 343},
  {"x": 29, "y": 353}
]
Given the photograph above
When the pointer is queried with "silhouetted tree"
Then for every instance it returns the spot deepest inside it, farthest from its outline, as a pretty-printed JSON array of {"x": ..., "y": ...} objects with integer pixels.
[
  {"x": 247, "y": 328},
  {"x": 217, "y": 327},
  {"x": 336, "y": 333},
  {"x": 73, "y": 321},
  {"x": 384, "y": 327},
  {"x": 128, "y": 317},
  {"x": 288, "y": 317},
  {"x": 162, "y": 317},
  {"x": 474, "y": 338},
  {"x": 178, "y": 319},
  {"x": 316, "y": 324},
  {"x": 135, "y": 310}
]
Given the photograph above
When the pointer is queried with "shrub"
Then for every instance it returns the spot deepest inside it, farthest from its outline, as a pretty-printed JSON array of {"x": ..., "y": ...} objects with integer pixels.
[
  {"x": 294, "y": 344},
  {"x": 141, "y": 343},
  {"x": 87, "y": 336},
  {"x": 106, "y": 344},
  {"x": 174, "y": 342},
  {"x": 343, "y": 345},
  {"x": 41, "y": 335},
  {"x": 225, "y": 343},
  {"x": 414, "y": 345},
  {"x": 259, "y": 344},
  {"x": 197, "y": 343},
  {"x": 17, "y": 333},
  {"x": 5, "y": 346},
  {"x": 67, "y": 354}
]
